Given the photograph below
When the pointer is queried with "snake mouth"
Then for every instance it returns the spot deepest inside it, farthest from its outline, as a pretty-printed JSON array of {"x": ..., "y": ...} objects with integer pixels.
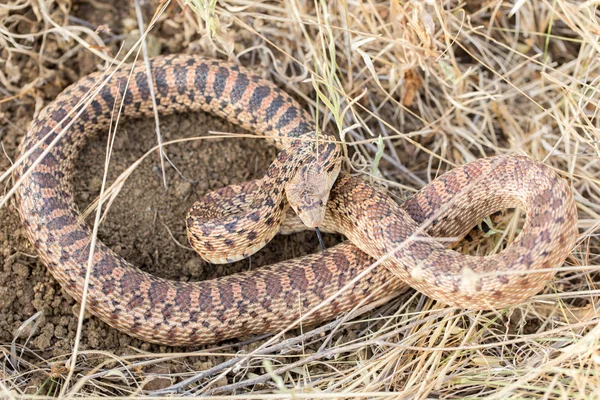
[
  {"x": 312, "y": 218},
  {"x": 311, "y": 212}
]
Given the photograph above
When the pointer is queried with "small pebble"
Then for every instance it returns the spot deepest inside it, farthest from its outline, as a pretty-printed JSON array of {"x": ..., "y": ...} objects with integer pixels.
[{"x": 183, "y": 189}]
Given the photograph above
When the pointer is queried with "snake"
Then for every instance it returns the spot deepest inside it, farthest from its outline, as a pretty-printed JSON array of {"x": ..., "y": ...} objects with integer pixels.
[{"x": 303, "y": 187}]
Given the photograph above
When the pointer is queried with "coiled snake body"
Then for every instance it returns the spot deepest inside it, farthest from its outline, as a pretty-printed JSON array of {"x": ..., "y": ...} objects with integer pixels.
[{"x": 236, "y": 221}]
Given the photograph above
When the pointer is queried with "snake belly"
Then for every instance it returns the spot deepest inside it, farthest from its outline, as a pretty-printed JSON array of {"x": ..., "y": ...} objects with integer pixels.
[{"x": 270, "y": 298}]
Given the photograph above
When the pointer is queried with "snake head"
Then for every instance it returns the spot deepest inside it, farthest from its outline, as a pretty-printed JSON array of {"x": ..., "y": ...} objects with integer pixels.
[{"x": 308, "y": 192}]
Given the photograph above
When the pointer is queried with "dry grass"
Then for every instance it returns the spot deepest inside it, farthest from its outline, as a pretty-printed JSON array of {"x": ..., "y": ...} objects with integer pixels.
[{"x": 414, "y": 88}]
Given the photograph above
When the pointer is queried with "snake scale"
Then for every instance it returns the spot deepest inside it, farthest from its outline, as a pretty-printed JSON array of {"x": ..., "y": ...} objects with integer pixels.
[{"x": 236, "y": 221}]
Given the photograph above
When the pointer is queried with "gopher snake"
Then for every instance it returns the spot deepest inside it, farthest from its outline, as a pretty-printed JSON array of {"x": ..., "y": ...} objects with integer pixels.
[{"x": 268, "y": 299}]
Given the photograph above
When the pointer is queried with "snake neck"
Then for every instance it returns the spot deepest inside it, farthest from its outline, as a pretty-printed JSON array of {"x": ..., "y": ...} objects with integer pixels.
[{"x": 212, "y": 233}]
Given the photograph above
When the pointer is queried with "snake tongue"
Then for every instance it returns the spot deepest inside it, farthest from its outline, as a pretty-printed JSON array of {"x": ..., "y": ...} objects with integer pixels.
[{"x": 321, "y": 242}]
